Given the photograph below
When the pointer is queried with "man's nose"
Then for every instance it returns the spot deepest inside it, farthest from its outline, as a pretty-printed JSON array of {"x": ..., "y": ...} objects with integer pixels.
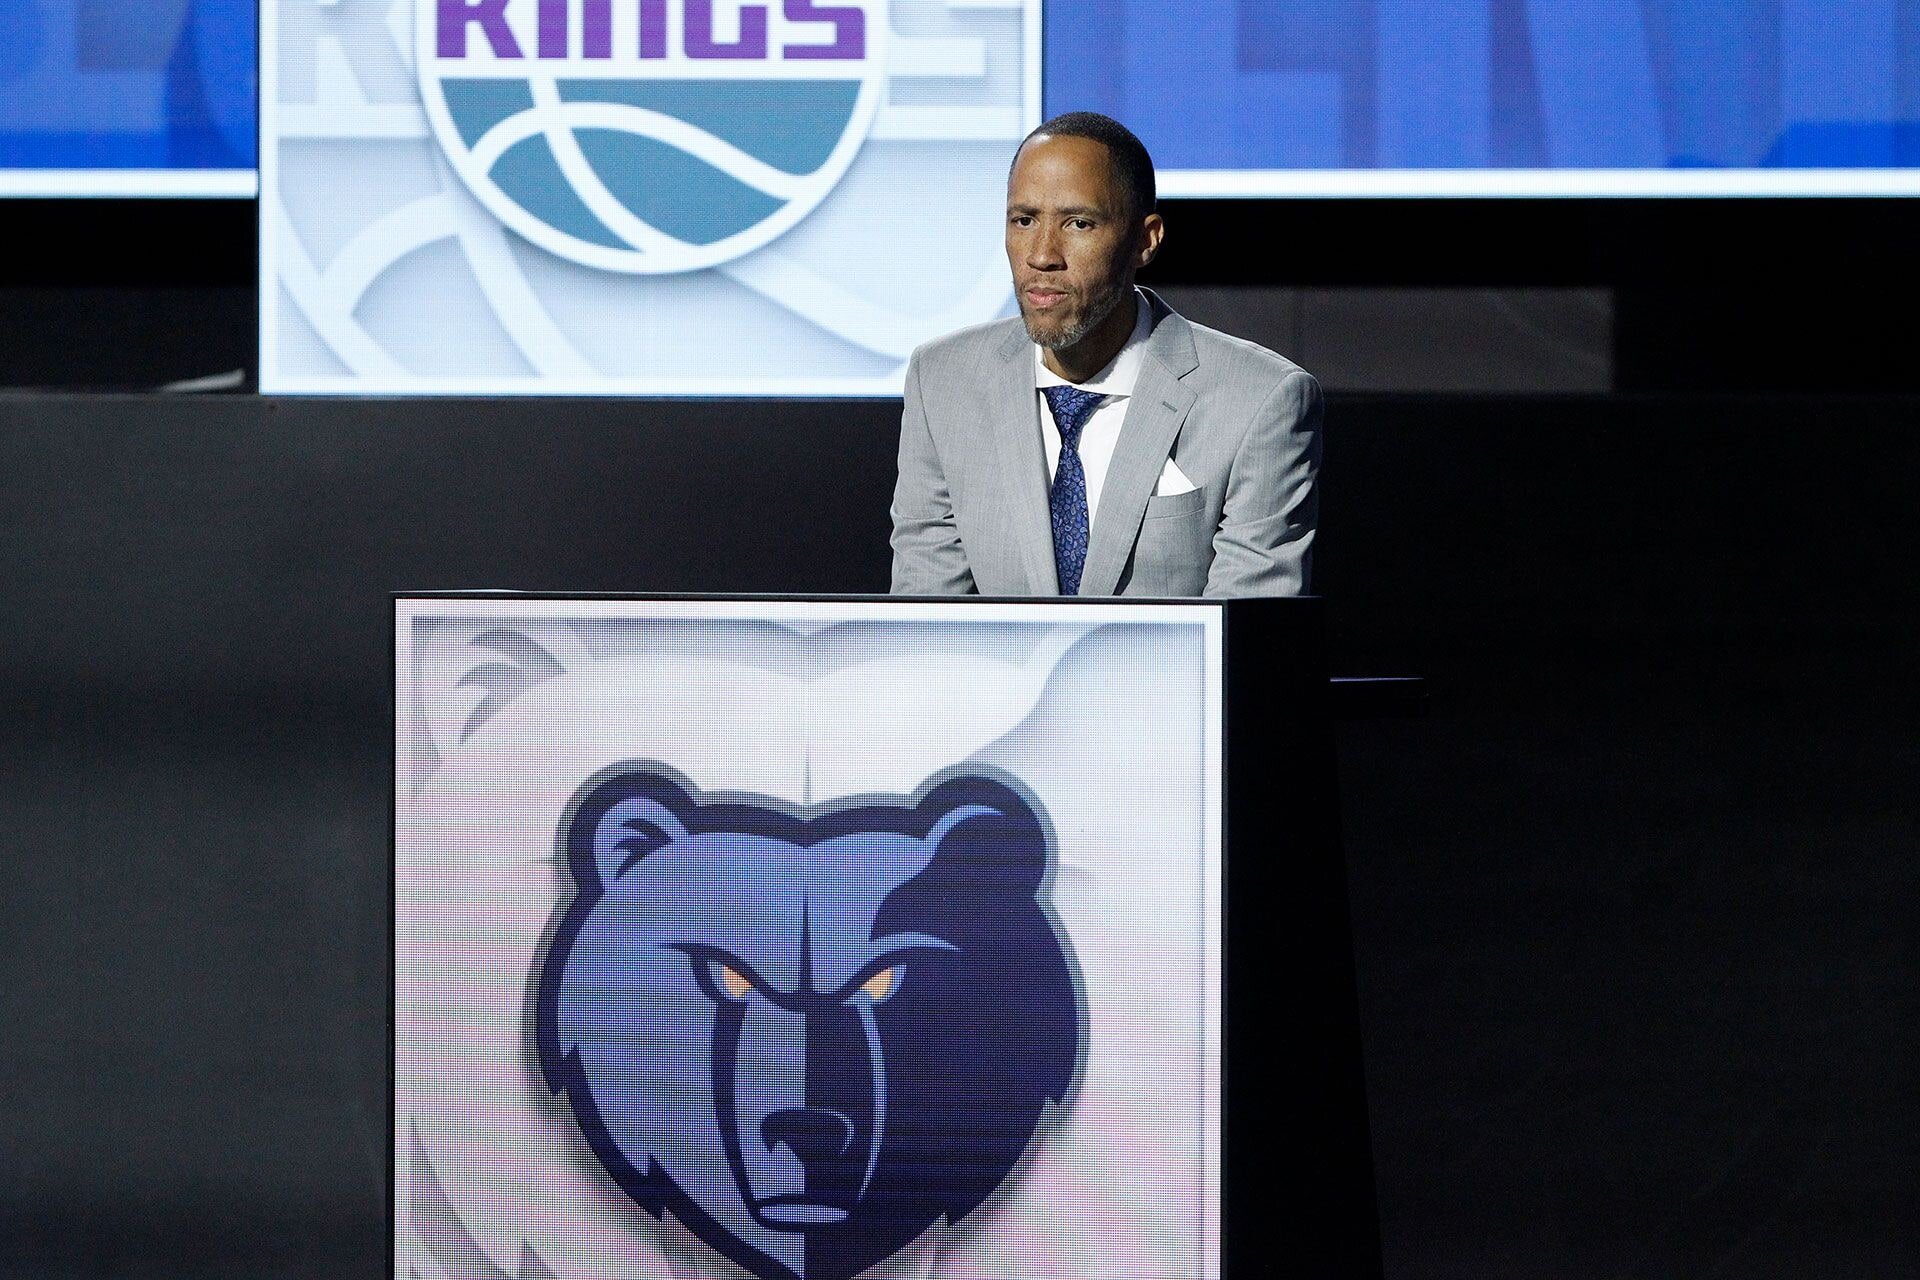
[{"x": 1043, "y": 252}]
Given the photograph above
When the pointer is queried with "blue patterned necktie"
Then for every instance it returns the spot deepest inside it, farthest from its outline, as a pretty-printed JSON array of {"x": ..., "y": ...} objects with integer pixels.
[{"x": 1071, "y": 408}]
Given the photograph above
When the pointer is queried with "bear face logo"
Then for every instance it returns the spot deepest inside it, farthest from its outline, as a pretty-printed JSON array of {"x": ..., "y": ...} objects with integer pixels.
[{"x": 809, "y": 1035}]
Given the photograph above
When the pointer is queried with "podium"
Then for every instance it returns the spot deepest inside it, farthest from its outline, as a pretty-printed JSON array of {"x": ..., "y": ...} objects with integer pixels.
[{"x": 812, "y": 939}]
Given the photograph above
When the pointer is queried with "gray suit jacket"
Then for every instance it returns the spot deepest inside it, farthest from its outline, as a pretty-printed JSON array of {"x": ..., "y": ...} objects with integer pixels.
[{"x": 970, "y": 506}]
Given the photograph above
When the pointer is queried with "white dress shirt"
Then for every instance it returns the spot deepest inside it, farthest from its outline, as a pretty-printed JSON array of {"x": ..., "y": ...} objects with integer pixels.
[{"x": 1102, "y": 430}]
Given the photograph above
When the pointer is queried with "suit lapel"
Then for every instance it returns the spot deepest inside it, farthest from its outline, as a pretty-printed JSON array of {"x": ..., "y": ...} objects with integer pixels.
[
  {"x": 1013, "y": 416},
  {"x": 1155, "y": 413}
]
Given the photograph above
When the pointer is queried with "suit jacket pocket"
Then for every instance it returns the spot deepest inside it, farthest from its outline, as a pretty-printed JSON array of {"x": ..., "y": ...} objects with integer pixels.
[
  {"x": 1176, "y": 504},
  {"x": 1174, "y": 547}
]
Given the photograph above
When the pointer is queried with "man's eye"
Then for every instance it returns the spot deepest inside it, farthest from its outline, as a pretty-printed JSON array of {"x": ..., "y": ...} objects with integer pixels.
[{"x": 1081, "y": 224}]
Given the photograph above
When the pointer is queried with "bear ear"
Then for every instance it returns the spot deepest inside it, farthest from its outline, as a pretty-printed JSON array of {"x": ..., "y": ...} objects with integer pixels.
[
  {"x": 990, "y": 828},
  {"x": 622, "y": 820}
]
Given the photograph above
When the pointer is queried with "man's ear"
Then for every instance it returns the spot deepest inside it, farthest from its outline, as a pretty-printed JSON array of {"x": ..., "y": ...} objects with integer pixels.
[
  {"x": 1153, "y": 229},
  {"x": 987, "y": 833},
  {"x": 622, "y": 820}
]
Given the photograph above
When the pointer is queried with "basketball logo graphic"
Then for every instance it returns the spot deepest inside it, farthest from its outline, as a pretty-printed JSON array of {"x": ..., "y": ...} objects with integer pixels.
[
  {"x": 806, "y": 943},
  {"x": 809, "y": 1036},
  {"x": 573, "y": 197},
  {"x": 650, "y": 136}
]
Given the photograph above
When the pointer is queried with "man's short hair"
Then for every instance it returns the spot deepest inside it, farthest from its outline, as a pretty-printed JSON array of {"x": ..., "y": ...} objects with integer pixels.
[{"x": 1126, "y": 152}]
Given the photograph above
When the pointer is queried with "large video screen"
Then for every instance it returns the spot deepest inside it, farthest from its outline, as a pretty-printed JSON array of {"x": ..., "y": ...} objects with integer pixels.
[
  {"x": 1503, "y": 97},
  {"x": 112, "y": 98},
  {"x": 806, "y": 941},
  {"x": 743, "y": 198},
  {"x": 1235, "y": 97}
]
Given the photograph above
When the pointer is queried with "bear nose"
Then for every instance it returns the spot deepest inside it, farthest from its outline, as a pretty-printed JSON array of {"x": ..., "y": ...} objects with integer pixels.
[{"x": 811, "y": 1133}]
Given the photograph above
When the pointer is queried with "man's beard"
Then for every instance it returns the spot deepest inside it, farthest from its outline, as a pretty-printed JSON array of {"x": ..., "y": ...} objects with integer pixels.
[{"x": 1099, "y": 307}]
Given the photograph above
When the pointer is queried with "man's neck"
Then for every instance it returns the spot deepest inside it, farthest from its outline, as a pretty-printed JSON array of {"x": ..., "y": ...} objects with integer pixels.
[{"x": 1096, "y": 351}]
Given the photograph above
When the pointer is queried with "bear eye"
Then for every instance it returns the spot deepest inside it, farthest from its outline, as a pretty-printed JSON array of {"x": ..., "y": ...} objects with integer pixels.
[
  {"x": 731, "y": 981},
  {"x": 884, "y": 983}
]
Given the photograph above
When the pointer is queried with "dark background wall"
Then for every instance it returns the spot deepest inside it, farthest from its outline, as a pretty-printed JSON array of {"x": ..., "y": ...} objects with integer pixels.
[
  {"x": 1632, "y": 905},
  {"x": 1461, "y": 296}
]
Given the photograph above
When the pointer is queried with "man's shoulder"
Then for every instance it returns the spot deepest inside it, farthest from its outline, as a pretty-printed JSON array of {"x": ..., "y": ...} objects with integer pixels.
[
  {"x": 992, "y": 342},
  {"x": 1237, "y": 381},
  {"x": 1226, "y": 355}
]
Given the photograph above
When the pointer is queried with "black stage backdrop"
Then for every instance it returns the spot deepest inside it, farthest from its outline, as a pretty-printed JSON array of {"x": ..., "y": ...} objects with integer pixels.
[
  {"x": 1633, "y": 905},
  {"x": 1723, "y": 296}
]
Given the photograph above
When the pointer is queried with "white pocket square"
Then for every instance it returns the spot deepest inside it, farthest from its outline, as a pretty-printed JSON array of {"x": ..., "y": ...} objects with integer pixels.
[{"x": 1172, "y": 481}]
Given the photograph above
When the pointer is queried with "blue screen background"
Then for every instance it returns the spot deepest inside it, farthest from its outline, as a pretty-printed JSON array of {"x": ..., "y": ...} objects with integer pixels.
[
  {"x": 1209, "y": 84},
  {"x": 1474, "y": 84},
  {"x": 127, "y": 84}
]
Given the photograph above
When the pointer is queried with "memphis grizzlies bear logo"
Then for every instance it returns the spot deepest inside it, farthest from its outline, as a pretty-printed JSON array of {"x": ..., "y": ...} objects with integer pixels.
[
  {"x": 809, "y": 1036},
  {"x": 651, "y": 136}
]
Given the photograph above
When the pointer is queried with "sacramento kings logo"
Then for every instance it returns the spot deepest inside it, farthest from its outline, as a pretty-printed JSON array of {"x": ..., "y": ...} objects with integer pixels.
[{"x": 651, "y": 136}]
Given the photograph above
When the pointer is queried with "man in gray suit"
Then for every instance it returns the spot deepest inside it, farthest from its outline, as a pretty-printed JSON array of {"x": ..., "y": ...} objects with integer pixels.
[{"x": 1100, "y": 444}]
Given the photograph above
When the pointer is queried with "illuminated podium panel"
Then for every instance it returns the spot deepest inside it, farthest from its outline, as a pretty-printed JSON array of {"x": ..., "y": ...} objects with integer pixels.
[{"x": 814, "y": 939}]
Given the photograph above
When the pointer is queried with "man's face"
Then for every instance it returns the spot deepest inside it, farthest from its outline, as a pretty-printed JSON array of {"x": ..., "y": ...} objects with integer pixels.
[{"x": 1071, "y": 241}]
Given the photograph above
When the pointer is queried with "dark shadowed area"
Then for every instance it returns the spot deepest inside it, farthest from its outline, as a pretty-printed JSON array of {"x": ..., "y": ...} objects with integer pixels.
[{"x": 1632, "y": 904}]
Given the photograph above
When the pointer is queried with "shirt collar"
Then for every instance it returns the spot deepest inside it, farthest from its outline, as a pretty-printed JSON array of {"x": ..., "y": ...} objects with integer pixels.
[{"x": 1122, "y": 371}]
